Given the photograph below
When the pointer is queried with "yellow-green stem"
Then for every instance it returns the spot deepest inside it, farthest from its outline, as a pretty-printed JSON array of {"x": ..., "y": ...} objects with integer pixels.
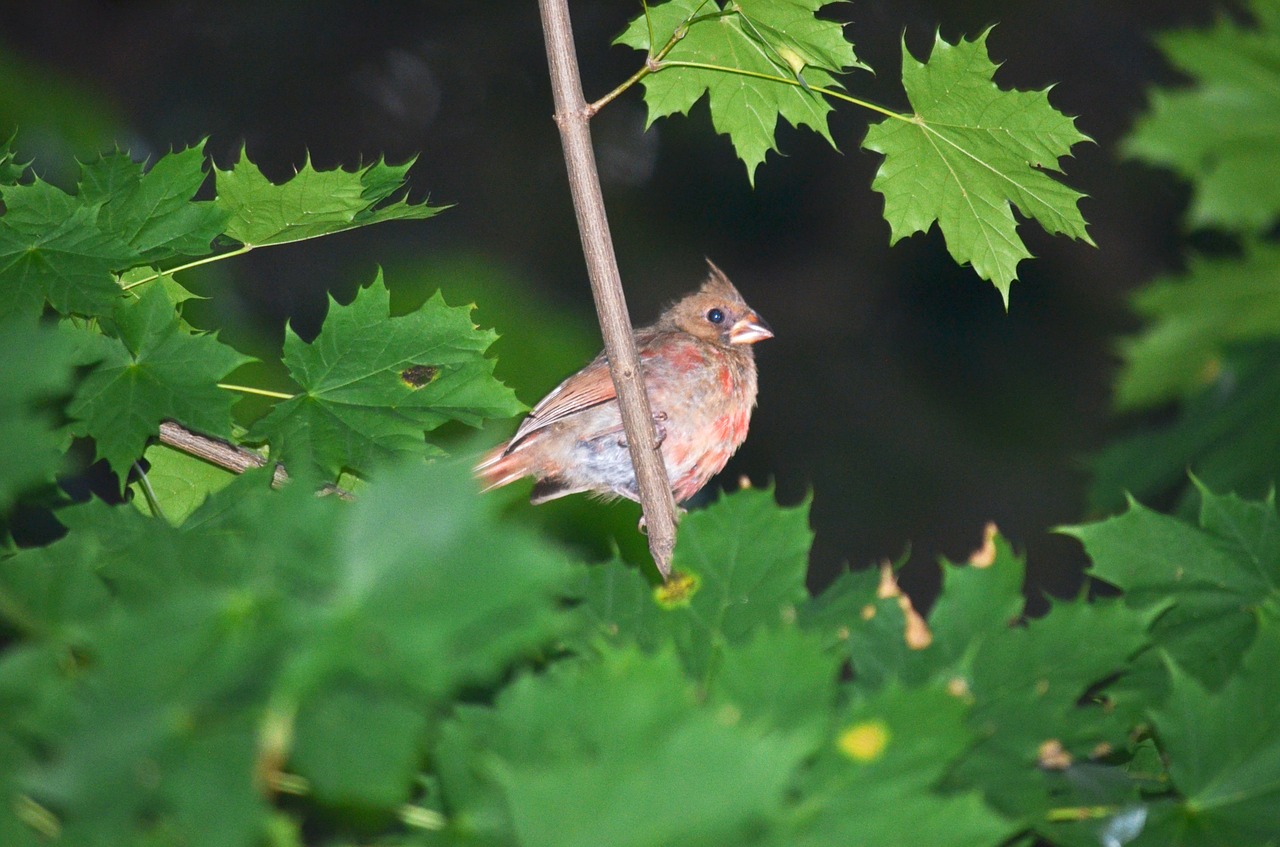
[
  {"x": 261, "y": 392},
  {"x": 188, "y": 266},
  {"x": 829, "y": 92},
  {"x": 1080, "y": 813}
]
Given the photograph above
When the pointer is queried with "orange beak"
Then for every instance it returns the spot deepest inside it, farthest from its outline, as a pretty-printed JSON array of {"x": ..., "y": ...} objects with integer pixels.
[{"x": 749, "y": 330}]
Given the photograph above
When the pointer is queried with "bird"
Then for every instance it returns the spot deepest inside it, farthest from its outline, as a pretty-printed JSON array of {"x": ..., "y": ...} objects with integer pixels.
[{"x": 699, "y": 372}]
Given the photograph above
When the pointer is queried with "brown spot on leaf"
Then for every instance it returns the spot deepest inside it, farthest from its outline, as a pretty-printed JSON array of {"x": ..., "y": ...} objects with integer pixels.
[{"x": 416, "y": 376}]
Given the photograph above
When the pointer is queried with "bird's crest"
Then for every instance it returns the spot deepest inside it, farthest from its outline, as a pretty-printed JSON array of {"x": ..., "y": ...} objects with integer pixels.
[{"x": 718, "y": 283}]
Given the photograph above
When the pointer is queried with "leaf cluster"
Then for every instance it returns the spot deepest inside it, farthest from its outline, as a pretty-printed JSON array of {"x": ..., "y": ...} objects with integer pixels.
[
  {"x": 91, "y": 280},
  {"x": 1211, "y": 344},
  {"x": 966, "y": 156},
  {"x": 412, "y": 669}
]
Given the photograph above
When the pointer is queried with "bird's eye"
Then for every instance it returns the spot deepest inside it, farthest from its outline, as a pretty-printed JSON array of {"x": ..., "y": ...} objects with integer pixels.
[{"x": 715, "y": 316}]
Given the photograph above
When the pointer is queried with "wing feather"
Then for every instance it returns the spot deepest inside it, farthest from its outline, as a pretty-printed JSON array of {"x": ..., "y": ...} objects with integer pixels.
[{"x": 590, "y": 387}]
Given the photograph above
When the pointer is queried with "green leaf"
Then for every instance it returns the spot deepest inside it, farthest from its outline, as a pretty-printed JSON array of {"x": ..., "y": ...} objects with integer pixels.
[
  {"x": 1191, "y": 320},
  {"x": 359, "y": 747},
  {"x": 739, "y": 566},
  {"x": 1226, "y": 433},
  {"x": 1220, "y": 132},
  {"x": 1028, "y": 687},
  {"x": 778, "y": 39},
  {"x": 312, "y": 203},
  {"x": 179, "y": 482},
  {"x": 11, "y": 171},
  {"x": 782, "y": 678},
  {"x": 624, "y": 738},
  {"x": 31, "y": 448},
  {"x": 980, "y": 601},
  {"x": 1212, "y": 577},
  {"x": 874, "y": 782},
  {"x": 371, "y": 385},
  {"x": 1223, "y": 751},
  {"x": 154, "y": 212},
  {"x": 152, "y": 372},
  {"x": 53, "y": 249},
  {"x": 969, "y": 155}
]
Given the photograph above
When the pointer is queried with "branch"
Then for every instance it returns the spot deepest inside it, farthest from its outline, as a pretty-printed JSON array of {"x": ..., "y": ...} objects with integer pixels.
[
  {"x": 228, "y": 456},
  {"x": 606, "y": 286}
]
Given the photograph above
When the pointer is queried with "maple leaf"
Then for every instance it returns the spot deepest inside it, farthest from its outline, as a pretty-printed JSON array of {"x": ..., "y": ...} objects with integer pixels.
[
  {"x": 53, "y": 248},
  {"x": 970, "y": 153},
  {"x": 1221, "y": 132},
  {"x": 154, "y": 212},
  {"x": 371, "y": 385},
  {"x": 313, "y": 203},
  {"x": 153, "y": 371},
  {"x": 775, "y": 39}
]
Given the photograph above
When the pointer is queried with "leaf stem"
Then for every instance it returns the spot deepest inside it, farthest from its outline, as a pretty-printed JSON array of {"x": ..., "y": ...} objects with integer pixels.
[
  {"x": 148, "y": 492},
  {"x": 652, "y": 62},
  {"x": 829, "y": 92},
  {"x": 217, "y": 257},
  {"x": 1069, "y": 814},
  {"x": 261, "y": 392},
  {"x": 420, "y": 817}
]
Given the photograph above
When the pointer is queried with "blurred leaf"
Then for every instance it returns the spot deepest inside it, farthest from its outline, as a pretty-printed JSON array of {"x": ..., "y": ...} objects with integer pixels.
[
  {"x": 781, "y": 678},
  {"x": 1220, "y": 133},
  {"x": 970, "y": 153},
  {"x": 372, "y": 384},
  {"x": 361, "y": 618},
  {"x": 154, "y": 212},
  {"x": 1228, "y": 434},
  {"x": 153, "y": 371},
  {"x": 739, "y": 566},
  {"x": 11, "y": 170},
  {"x": 775, "y": 38},
  {"x": 1223, "y": 750},
  {"x": 623, "y": 737},
  {"x": 1213, "y": 578},
  {"x": 30, "y": 446},
  {"x": 371, "y": 768},
  {"x": 312, "y": 203},
  {"x": 875, "y": 779},
  {"x": 1191, "y": 320}
]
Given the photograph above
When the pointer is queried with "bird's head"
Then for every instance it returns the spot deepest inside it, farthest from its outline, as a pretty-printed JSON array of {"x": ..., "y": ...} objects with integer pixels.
[{"x": 717, "y": 313}]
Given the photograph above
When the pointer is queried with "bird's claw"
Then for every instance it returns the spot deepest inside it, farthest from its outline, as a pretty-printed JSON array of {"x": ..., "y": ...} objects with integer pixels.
[
  {"x": 643, "y": 525},
  {"x": 659, "y": 431}
]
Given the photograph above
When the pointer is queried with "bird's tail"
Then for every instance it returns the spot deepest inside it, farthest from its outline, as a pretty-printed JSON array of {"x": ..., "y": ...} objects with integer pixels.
[{"x": 498, "y": 468}]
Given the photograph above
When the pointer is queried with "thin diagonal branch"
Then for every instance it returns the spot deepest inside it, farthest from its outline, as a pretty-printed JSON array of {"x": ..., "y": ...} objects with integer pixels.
[{"x": 571, "y": 117}]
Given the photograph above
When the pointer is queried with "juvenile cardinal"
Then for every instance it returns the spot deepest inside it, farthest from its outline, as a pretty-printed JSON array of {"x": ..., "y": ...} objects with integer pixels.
[{"x": 700, "y": 375}]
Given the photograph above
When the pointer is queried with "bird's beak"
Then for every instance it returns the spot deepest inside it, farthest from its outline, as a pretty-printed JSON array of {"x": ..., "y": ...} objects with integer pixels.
[{"x": 749, "y": 330}]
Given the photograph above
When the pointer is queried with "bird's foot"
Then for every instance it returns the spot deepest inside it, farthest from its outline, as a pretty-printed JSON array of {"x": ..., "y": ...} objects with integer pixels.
[
  {"x": 659, "y": 431},
  {"x": 643, "y": 525}
]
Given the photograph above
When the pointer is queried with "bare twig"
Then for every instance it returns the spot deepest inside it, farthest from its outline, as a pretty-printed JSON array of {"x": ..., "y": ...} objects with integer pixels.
[
  {"x": 228, "y": 456},
  {"x": 606, "y": 286}
]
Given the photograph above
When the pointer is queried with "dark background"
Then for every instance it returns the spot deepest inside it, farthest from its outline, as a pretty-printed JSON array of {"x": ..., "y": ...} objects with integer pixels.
[{"x": 897, "y": 391}]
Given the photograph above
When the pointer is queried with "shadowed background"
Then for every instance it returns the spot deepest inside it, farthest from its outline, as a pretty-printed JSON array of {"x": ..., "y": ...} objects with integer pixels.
[{"x": 897, "y": 391}]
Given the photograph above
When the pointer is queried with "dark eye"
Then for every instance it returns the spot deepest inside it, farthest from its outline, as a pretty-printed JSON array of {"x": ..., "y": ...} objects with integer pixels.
[{"x": 715, "y": 316}]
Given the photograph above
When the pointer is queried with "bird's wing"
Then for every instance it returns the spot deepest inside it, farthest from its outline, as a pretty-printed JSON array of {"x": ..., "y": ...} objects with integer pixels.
[{"x": 590, "y": 387}]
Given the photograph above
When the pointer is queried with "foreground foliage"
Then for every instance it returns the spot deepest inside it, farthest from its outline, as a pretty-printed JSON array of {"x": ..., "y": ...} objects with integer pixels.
[{"x": 411, "y": 668}]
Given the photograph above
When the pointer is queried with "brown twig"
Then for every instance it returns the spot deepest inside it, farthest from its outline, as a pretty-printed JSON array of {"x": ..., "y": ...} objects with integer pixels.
[
  {"x": 571, "y": 117},
  {"x": 228, "y": 456}
]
